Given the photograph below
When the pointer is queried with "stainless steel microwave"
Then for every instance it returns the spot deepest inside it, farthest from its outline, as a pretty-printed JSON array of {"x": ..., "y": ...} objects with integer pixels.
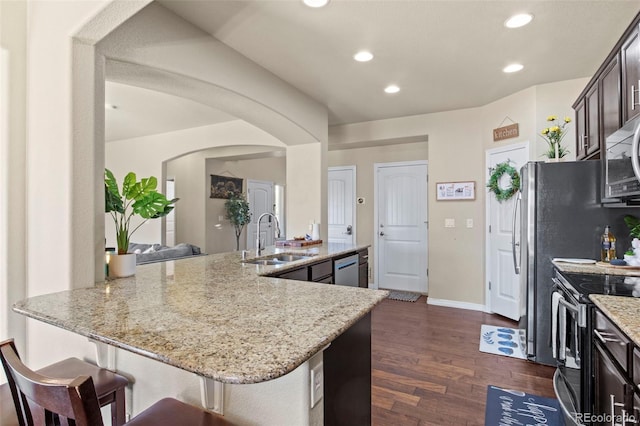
[{"x": 622, "y": 164}]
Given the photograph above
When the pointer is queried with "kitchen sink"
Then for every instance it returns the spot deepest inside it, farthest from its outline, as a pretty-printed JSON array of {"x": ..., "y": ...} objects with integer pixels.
[
  {"x": 289, "y": 257},
  {"x": 276, "y": 259},
  {"x": 264, "y": 262}
]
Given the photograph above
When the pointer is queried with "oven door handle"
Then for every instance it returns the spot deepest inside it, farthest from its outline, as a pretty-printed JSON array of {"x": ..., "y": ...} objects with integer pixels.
[
  {"x": 635, "y": 161},
  {"x": 562, "y": 331},
  {"x": 580, "y": 311},
  {"x": 515, "y": 244},
  {"x": 569, "y": 306}
]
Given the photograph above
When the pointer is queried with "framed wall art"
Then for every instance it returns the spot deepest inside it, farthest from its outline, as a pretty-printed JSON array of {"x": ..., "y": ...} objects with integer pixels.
[
  {"x": 452, "y": 191},
  {"x": 225, "y": 186}
]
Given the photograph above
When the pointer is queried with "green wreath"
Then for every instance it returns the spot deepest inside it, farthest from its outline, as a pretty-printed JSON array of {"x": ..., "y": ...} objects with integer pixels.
[{"x": 496, "y": 174}]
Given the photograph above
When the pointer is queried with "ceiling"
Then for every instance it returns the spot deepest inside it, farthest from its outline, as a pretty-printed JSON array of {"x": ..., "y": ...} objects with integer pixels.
[{"x": 444, "y": 55}]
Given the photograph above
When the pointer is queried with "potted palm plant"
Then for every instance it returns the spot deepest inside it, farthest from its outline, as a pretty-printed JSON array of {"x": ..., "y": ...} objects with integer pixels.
[{"x": 138, "y": 197}]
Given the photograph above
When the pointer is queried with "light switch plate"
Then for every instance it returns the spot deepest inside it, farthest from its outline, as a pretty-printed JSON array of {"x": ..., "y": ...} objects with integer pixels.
[
  {"x": 469, "y": 223},
  {"x": 449, "y": 223},
  {"x": 317, "y": 384}
]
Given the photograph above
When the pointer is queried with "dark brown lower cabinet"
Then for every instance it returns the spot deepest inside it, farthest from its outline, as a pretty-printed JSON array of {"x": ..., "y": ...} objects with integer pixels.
[
  {"x": 613, "y": 395},
  {"x": 363, "y": 268},
  {"x": 347, "y": 376}
]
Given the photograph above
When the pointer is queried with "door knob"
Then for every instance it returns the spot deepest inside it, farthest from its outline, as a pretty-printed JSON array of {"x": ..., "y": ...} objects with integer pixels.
[
  {"x": 382, "y": 234},
  {"x": 349, "y": 230}
]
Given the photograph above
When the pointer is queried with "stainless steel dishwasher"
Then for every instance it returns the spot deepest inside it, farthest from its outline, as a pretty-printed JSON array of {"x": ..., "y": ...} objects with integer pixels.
[{"x": 345, "y": 271}]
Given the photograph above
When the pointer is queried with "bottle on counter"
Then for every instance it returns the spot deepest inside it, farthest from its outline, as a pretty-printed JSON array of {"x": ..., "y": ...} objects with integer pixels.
[{"x": 607, "y": 245}]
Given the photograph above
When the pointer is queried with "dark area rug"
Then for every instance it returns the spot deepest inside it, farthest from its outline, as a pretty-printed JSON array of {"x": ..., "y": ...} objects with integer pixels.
[
  {"x": 403, "y": 296},
  {"x": 510, "y": 407}
]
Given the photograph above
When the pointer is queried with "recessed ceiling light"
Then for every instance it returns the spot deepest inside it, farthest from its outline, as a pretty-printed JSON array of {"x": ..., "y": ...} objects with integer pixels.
[
  {"x": 316, "y": 3},
  {"x": 512, "y": 68},
  {"x": 110, "y": 106},
  {"x": 517, "y": 21},
  {"x": 392, "y": 89},
  {"x": 363, "y": 56}
]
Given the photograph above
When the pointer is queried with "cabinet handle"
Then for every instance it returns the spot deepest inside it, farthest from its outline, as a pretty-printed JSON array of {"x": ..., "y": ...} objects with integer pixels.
[
  {"x": 604, "y": 339},
  {"x": 633, "y": 96}
]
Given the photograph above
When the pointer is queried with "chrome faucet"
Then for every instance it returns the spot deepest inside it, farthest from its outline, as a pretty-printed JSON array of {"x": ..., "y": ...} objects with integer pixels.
[{"x": 258, "y": 244}]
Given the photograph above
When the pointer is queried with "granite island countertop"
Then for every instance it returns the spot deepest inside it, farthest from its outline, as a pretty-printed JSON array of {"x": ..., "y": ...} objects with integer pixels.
[
  {"x": 623, "y": 311},
  {"x": 213, "y": 315}
]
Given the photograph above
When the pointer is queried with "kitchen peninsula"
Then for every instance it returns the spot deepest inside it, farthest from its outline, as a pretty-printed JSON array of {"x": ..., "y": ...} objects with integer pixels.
[{"x": 225, "y": 321}]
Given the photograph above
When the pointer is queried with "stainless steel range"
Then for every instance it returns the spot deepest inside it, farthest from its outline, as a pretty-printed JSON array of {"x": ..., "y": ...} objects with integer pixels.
[{"x": 572, "y": 333}]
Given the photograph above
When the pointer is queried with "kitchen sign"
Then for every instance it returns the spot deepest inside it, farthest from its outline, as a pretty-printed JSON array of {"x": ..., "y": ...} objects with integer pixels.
[{"x": 506, "y": 132}]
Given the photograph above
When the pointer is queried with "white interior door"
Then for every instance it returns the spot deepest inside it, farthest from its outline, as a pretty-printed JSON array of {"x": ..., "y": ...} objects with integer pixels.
[
  {"x": 260, "y": 198},
  {"x": 341, "y": 221},
  {"x": 503, "y": 282},
  {"x": 170, "y": 221},
  {"x": 401, "y": 226}
]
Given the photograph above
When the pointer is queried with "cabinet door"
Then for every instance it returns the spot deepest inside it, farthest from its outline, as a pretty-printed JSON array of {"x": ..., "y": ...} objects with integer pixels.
[
  {"x": 300, "y": 274},
  {"x": 611, "y": 390},
  {"x": 592, "y": 136},
  {"x": 610, "y": 100},
  {"x": 630, "y": 76},
  {"x": 581, "y": 130},
  {"x": 363, "y": 275}
]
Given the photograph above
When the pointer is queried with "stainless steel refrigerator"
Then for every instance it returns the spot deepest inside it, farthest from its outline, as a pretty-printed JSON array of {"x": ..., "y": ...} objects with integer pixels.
[{"x": 560, "y": 216}]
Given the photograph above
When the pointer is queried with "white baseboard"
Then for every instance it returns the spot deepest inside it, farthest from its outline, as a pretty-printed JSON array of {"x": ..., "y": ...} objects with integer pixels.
[{"x": 455, "y": 304}]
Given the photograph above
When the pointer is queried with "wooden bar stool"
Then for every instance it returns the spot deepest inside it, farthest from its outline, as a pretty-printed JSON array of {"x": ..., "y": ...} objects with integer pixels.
[
  {"x": 75, "y": 402},
  {"x": 109, "y": 386}
]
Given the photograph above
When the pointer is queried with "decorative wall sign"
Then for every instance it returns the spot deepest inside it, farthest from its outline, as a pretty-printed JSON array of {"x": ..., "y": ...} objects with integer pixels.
[
  {"x": 506, "y": 132},
  {"x": 451, "y": 191},
  {"x": 224, "y": 186}
]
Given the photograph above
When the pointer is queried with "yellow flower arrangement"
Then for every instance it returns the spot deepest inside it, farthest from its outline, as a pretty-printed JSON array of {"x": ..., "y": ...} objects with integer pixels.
[{"x": 553, "y": 135}]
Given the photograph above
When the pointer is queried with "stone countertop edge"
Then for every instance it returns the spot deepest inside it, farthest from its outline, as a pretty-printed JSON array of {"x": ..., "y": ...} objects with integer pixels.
[
  {"x": 261, "y": 333},
  {"x": 576, "y": 268},
  {"x": 623, "y": 311}
]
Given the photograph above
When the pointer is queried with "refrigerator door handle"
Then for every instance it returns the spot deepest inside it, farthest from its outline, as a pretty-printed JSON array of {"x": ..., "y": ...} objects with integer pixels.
[
  {"x": 515, "y": 244},
  {"x": 635, "y": 161}
]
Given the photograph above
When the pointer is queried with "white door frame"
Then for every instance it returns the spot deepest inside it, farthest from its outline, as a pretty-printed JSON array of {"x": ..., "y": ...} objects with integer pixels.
[
  {"x": 354, "y": 214},
  {"x": 487, "y": 248},
  {"x": 377, "y": 166}
]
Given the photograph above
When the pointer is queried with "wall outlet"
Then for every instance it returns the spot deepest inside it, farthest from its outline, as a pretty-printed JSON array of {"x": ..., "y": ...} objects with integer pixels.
[
  {"x": 449, "y": 223},
  {"x": 220, "y": 218},
  {"x": 317, "y": 384}
]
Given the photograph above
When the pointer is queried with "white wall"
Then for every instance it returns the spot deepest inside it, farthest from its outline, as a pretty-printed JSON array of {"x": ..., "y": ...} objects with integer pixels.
[
  {"x": 306, "y": 200},
  {"x": 220, "y": 234},
  {"x": 457, "y": 141},
  {"x": 159, "y": 39},
  {"x": 191, "y": 189},
  {"x": 551, "y": 99},
  {"x": 13, "y": 25},
  {"x": 145, "y": 156}
]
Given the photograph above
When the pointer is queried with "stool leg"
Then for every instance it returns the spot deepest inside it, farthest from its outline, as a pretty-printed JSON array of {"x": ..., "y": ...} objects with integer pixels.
[{"x": 118, "y": 414}]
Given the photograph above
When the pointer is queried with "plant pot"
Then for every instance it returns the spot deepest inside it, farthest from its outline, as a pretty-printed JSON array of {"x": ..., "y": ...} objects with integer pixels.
[
  {"x": 122, "y": 265},
  {"x": 553, "y": 160}
]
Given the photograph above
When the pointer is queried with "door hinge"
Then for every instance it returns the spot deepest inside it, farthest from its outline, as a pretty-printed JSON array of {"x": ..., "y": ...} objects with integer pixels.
[
  {"x": 427, "y": 272},
  {"x": 489, "y": 285},
  {"x": 489, "y": 228}
]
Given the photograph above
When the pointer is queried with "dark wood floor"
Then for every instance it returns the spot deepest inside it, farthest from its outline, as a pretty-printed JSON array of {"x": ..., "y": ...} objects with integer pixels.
[{"x": 427, "y": 369}]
